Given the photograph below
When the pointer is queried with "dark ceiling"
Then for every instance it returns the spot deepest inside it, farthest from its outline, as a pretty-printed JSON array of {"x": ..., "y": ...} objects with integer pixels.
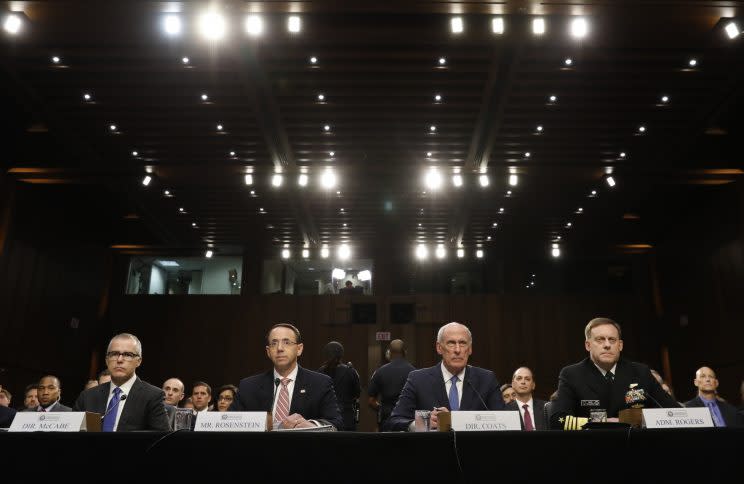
[{"x": 378, "y": 68}]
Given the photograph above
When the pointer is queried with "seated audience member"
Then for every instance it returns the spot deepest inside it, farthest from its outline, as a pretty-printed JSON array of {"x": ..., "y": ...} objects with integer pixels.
[
  {"x": 104, "y": 376},
  {"x": 188, "y": 403},
  {"x": 174, "y": 391},
  {"x": 31, "y": 400},
  {"x": 225, "y": 397},
  {"x": 201, "y": 396},
  {"x": 507, "y": 393},
  {"x": 90, "y": 384},
  {"x": 126, "y": 402},
  {"x": 304, "y": 398},
  {"x": 531, "y": 410},
  {"x": 348, "y": 289},
  {"x": 7, "y": 414},
  {"x": 724, "y": 414},
  {"x": 49, "y": 393},
  {"x": 5, "y": 398},
  {"x": 449, "y": 385},
  {"x": 599, "y": 382}
]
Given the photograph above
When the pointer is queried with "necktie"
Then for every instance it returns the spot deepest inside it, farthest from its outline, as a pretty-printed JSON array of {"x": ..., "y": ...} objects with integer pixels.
[
  {"x": 609, "y": 377},
  {"x": 282, "y": 404},
  {"x": 454, "y": 396},
  {"x": 716, "y": 421},
  {"x": 113, "y": 409},
  {"x": 527, "y": 418}
]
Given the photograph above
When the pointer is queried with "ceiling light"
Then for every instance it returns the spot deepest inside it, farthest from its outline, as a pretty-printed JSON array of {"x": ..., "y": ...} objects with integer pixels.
[
  {"x": 501, "y": 210},
  {"x": 277, "y": 180},
  {"x": 302, "y": 180},
  {"x": 438, "y": 97},
  {"x": 513, "y": 180},
  {"x": 433, "y": 179},
  {"x": 313, "y": 60},
  {"x": 422, "y": 252},
  {"x": 497, "y": 25},
  {"x": 594, "y": 193},
  {"x": 185, "y": 60},
  {"x": 432, "y": 129},
  {"x": 193, "y": 224},
  {"x": 569, "y": 225},
  {"x": 538, "y": 26},
  {"x": 180, "y": 209},
  {"x": 249, "y": 180},
  {"x": 327, "y": 128},
  {"x": 457, "y": 180},
  {"x": 166, "y": 193},
  {"x": 321, "y": 97},
  {"x": 553, "y": 98},
  {"x": 232, "y": 153},
  {"x": 305, "y": 253},
  {"x": 365, "y": 275},
  {"x": 527, "y": 154},
  {"x": 212, "y": 25},
  {"x": 253, "y": 192},
  {"x": 623, "y": 154},
  {"x": 172, "y": 25},
  {"x": 331, "y": 154},
  {"x": 460, "y": 253},
  {"x": 253, "y": 25},
  {"x": 219, "y": 127},
  {"x": 539, "y": 129},
  {"x": 204, "y": 97},
  {"x": 610, "y": 181},
  {"x": 692, "y": 62},
  {"x": 208, "y": 254},
  {"x": 508, "y": 193},
  {"x": 286, "y": 253},
  {"x": 488, "y": 238},
  {"x": 579, "y": 28},
  {"x": 442, "y": 61},
  {"x": 324, "y": 252},
  {"x": 555, "y": 250},
  {"x": 148, "y": 169},
  {"x": 479, "y": 253},
  {"x": 338, "y": 273},
  {"x": 664, "y": 99},
  {"x": 456, "y": 25},
  {"x": 12, "y": 23},
  {"x": 440, "y": 252},
  {"x": 732, "y": 30},
  {"x": 328, "y": 179},
  {"x": 579, "y": 210},
  {"x": 568, "y": 61},
  {"x": 87, "y": 97},
  {"x": 112, "y": 127},
  {"x": 294, "y": 24},
  {"x": 146, "y": 180},
  {"x": 344, "y": 252},
  {"x": 56, "y": 59},
  {"x": 483, "y": 180},
  {"x": 641, "y": 129},
  {"x": 428, "y": 154}
]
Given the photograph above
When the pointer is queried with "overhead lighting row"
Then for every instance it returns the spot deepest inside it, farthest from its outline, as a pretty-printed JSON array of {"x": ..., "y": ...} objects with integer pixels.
[
  {"x": 343, "y": 252},
  {"x": 440, "y": 252},
  {"x": 212, "y": 25}
]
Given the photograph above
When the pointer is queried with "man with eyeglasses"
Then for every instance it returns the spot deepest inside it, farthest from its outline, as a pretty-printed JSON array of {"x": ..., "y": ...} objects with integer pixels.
[
  {"x": 297, "y": 397},
  {"x": 595, "y": 388},
  {"x": 447, "y": 386},
  {"x": 126, "y": 402}
]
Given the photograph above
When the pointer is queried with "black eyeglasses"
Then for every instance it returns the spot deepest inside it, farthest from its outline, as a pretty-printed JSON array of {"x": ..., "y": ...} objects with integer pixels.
[
  {"x": 273, "y": 344},
  {"x": 127, "y": 355}
]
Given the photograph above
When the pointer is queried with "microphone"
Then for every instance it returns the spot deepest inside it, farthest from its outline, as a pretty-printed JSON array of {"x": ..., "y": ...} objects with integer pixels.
[
  {"x": 121, "y": 399},
  {"x": 477, "y": 393},
  {"x": 273, "y": 400},
  {"x": 648, "y": 394}
]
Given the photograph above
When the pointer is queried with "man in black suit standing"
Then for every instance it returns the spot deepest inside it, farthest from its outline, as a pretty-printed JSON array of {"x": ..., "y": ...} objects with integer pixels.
[
  {"x": 723, "y": 413},
  {"x": 530, "y": 409},
  {"x": 304, "y": 398},
  {"x": 126, "y": 402},
  {"x": 387, "y": 382},
  {"x": 449, "y": 385},
  {"x": 49, "y": 393},
  {"x": 598, "y": 384}
]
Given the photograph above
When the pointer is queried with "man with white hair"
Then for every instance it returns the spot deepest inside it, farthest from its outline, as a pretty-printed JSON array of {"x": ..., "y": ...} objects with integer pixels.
[{"x": 126, "y": 402}]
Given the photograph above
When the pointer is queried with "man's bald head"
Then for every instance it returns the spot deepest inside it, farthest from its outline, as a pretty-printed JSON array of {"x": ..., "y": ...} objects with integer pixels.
[{"x": 397, "y": 348}]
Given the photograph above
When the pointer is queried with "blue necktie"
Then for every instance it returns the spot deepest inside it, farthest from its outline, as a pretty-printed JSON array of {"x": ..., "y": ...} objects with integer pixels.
[
  {"x": 113, "y": 409},
  {"x": 454, "y": 397}
]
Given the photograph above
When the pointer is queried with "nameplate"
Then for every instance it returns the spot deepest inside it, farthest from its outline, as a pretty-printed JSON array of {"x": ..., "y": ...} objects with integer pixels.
[
  {"x": 230, "y": 422},
  {"x": 48, "y": 422},
  {"x": 487, "y": 420},
  {"x": 677, "y": 418}
]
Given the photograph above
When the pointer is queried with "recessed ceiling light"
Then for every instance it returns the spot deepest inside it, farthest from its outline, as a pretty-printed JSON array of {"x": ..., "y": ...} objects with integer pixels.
[
  {"x": 166, "y": 193},
  {"x": 732, "y": 30},
  {"x": 456, "y": 25},
  {"x": 87, "y": 96},
  {"x": 180, "y": 209},
  {"x": 513, "y": 180},
  {"x": 580, "y": 210},
  {"x": 623, "y": 154},
  {"x": 665, "y": 99},
  {"x": 579, "y": 28},
  {"x": 483, "y": 180},
  {"x": 112, "y": 127},
  {"x": 594, "y": 193},
  {"x": 249, "y": 181},
  {"x": 428, "y": 154},
  {"x": 327, "y": 128},
  {"x": 568, "y": 225},
  {"x": 488, "y": 238},
  {"x": 553, "y": 98},
  {"x": 508, "y": 193},
  {"x": 313, "y": 60},
  {"x": 193, "y": 224},
  {"x": 56, "y": 59},
  {"x": 692, "y": 62},
  {"x": 457, "y": 180},
  {"x": 539, "y": 129},
  {"x": 501, "y": 210},
  {"x": 12, "y": 23},
  {"x": 135, "y": 153},
  {"x": 212, "y": 26},
  {"x": 208, "y": 254},
  {"x": 185, "y": 60},
  {"x": 479, "y": 253},
  {"x": 146, "y": 180},
  {"x": 442, "y": 61},
  {"x": 294, "y": 24},
  {"x": 302, "y": 180},
  {"x": 527, "y": 154},
  {"x": 232, "y": 153},
  {"x": 438, "y": 97},
  {"x": 432, "y": 129},
  {"x": 538, "y": 26},
  {"x": 568, "y": 61},
  {"x": 331, "y": 154},
  {"x": 497, "y": 25},
  {"x": 610, "y": 181},
  {"x": 253, "y": 25},
  {"x": 204, "y": 97},
  {"x": 172, "y": 25},
  {"x": 219, "y": 127},
  {"x": 641, "y": 129},
  {"x": 321, "y": 97},
  {"x": 277, "y": 180}
]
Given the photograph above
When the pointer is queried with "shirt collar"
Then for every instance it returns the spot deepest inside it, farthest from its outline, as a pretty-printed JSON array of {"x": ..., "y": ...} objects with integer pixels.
[
  {"x": 292, "y": 375},
  {"x": 604, "y": 373},
  {"x": 126, "y": 387},
  {"x": 448, "y": 376}
]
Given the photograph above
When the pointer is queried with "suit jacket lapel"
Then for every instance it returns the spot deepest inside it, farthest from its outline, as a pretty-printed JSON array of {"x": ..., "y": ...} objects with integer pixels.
[
  {"x": 596, "y": 382},
  {"x": 130, "y": 404},
  {"x": 299, "y": 394},
  {"x": 621, "y": 384},
  {"x": 440, "y": 391}
]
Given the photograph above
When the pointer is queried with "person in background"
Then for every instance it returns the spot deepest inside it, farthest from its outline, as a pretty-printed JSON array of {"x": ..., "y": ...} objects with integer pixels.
[
  {"x": 531, "y": 410},
  {"x": 225, "y": 397},
  {"x": 7, "y": 414},
  {"x": 724, "y": 414},
  {"x": 5, "y": 398},
  {"x": 31, "y": 399},
  {"x": 174, "y": 391},
  {"x": 388, "y": 381},
  {"x": 508, "y": 393},
  {"x": 345, "y": 383},
  {"x": 49, "y": 393}
]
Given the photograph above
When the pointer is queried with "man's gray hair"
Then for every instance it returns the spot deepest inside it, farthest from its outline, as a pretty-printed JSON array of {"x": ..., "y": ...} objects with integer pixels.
[
  {"x": 440, "y": 333},
  {"x": 137, "y": 344},
  {"x": 599, "y": 322}
]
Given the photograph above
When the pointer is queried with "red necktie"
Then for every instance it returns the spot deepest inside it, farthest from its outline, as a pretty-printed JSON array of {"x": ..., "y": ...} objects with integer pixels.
[
  {"x": 527, "y": 418},
  {"x": 282, "y": 404}
]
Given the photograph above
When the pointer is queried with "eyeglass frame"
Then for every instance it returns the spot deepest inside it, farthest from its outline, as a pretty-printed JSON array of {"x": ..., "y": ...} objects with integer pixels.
[
  {"x": 126, "y": 355},
  {"x": 274, "y": 344}
]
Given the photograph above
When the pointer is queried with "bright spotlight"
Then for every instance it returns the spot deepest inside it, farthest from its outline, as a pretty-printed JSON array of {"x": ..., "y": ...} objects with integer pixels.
[
  {"x": 277, "y": 180},
  {"x": 253, "y": 25},
  {"x": 172, "y": 24},
  {"x": 538, "y": 26},
  {"x": 610, "y": 181},
  {"x": 422, "y": 252},
  {"x": 497, "y": 25},
  {"x": 579, "y": 28},
  {"x": 456, "y": 25},
  {"x": 555, "y": 250},
  {"x": 460, "y": 253},
  {"x": 433, "y": 179},
  {"x": 440, "y": 252},
  {"x": 12, "y": 24},
  {"x": 324, "y": 252},
  {"x": 483, "y": 180},
  {"x": 732, "y": 30},
  {"x": 479, "y": 253},
  {"x": 365, "y": 275},
  {"x": 249, "y": 179},
  {"x": 338, "y": 273},
  {"x": 305, "y": 253},
  {"x": 302, "y": 180},
  {"x": 294, "y": 24},
  {"x": 457, "y": 180},
  {"x": 208, "y": 254},
  {"x": 212, "y": 26},
  {"x": 286, "y": 253},
  {"x": 344, "y": 252},
  {"x": 328, "y": 179},
  {"x": 146, "y": 180},
  {"x": 513, "y": 180}
]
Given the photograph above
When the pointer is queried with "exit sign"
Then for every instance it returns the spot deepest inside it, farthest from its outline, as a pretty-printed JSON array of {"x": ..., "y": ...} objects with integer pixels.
[{"x": 382, "y": 336}]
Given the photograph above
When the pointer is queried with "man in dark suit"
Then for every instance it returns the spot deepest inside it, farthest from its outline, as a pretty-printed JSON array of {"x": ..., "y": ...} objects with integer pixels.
[
  {"x": 49, "y": 392},
  {"x": 304, "y": 398},
  {"x": 531, "y": 410},
  {"x": 723, "y": 413},
  {"x": 388, "y": 381},
  {"x": 126, "y": 402},
  {"x": 598, "y": 384},
  {"x": 449, "y": 385}
]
